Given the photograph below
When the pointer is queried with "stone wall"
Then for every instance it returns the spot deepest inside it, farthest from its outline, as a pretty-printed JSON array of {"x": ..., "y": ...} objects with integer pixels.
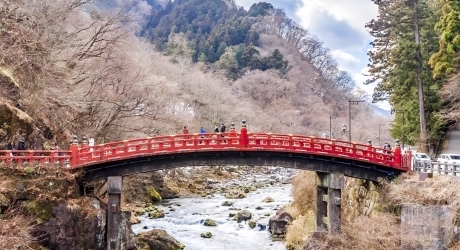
[
  {"x": 427, "y": 227},
  {"x": 360, "y": 197},
  {"x": 80, "y": 226}
]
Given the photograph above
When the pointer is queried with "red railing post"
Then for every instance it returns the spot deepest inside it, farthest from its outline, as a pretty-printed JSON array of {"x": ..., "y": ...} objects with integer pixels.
[
  {"x": 84, "y": 146},
  {"x": 244, "y": 135},
  {"x": 407, "y": 163},
  {"x": 397, "y": 155},
  {"x": 232, "y": 134},
  {"x": 74, "y": 152}
]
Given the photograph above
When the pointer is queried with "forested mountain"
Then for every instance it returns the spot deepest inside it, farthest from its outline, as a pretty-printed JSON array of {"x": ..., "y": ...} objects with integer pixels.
[
  {"x": 228, "y": 36},
  {"x": 75, "y": 67}
]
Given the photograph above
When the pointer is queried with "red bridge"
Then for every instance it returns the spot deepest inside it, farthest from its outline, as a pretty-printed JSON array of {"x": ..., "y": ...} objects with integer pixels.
[
  {"x": 234, "y": 148},
  {"x": 330, "y": 159}
]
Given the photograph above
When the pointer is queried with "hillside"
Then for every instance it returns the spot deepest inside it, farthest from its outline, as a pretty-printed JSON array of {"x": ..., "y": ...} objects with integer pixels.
[{"x": 97, "y": 78}]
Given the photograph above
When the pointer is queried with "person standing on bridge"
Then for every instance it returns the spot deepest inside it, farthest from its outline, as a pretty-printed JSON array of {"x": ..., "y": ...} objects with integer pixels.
[
  {"x": 56, "y": 148},
  {"x": 91, "y": 144},
  {"x": 185, "y": 130},
  {"x": 21, "y": 144},
  {"x": 202, "y": 132},
  {"x": 10, "y": 147},
  {"x": 222, "y": 131}
]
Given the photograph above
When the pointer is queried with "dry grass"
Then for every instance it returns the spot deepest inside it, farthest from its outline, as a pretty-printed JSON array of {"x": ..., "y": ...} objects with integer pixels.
[
  {"x": 440, "y": 190},
  {"x": 304, "y": 191},
  {"x": 302, "y": 209},
  {"x": 302, "y": 227},
  {"x": 16, "y": 231},
  {"x": 381, "y": 232}
]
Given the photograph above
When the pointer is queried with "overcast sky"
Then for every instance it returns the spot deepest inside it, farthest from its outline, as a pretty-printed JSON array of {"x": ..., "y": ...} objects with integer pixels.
[{"x": 339, "y": 24}]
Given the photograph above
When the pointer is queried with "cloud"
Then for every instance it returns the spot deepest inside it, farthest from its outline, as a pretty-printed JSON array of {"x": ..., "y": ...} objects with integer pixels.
[
  {"x": 346, "y": 61},
  {"x": 354, "y": 12}
]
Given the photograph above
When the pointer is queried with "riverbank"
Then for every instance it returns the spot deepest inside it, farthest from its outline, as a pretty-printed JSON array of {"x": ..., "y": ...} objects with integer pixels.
[{"x": 184, "y": 217}]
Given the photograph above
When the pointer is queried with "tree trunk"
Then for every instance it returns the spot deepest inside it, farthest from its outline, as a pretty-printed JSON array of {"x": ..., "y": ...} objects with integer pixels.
[{"x": 418, "y": 56}]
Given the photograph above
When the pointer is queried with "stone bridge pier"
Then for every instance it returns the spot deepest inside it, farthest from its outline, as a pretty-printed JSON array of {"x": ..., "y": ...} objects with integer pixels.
[
  {"x": 328, "y": 202},
  {"x": 114, "y": 216}
]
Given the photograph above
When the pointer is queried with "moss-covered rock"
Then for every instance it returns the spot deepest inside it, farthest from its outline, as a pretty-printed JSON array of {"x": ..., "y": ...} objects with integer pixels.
[
  {"x": 209, "y": 223},
  {"x": 154, "y": 196},
  {"x": 252, "y": 224},
  {"x": 206, "y": 235},
  {"x": 268, "y": 199},
  {"x": 140, "y": 211},
  {"x": 158, "y": 239},
  {"x": 159, "y": 213},
  {"x": 42, "y": 210}
]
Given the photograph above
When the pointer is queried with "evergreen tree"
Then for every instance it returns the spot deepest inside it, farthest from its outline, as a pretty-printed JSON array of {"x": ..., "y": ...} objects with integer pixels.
[{"x": 404, "y": 40}]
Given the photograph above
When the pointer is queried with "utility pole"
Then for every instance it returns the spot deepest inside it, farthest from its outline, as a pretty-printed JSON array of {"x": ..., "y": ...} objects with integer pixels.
[{"x": 349, "y": 116}]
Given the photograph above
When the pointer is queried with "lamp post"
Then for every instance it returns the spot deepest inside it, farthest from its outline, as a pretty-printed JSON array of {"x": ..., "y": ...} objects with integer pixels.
[
  {"x": 402, "y": 130},
  {"x": 344, "y": 129},
  {"x": 349, "y": 115}
]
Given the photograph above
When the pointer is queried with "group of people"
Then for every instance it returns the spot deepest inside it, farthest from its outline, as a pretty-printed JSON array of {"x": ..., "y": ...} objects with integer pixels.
[
  {"x": 385, "y": 146},
  {"x": 203, "y": 131},
  {"x": 21, "y": 145}
]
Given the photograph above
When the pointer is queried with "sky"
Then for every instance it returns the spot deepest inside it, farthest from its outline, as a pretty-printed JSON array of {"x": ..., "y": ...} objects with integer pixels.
[{"x": 339, "y": 24}]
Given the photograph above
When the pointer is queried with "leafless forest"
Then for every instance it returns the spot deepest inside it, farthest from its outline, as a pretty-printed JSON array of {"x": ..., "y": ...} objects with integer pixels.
[{"x": 76, "y": 69}]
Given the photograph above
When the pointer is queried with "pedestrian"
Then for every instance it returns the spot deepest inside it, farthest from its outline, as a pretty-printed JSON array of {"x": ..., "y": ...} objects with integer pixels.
[
  {"x": 91, "y": 144},
  {"x": 185, "y": 130},
  {"x": 222, "y": 131},
  {"x": 202, "y": 132},
  {"x": 216, "y": 131},
  {"x": 10, "y": 147},
  {"x": 56, "y": 148},
  {"x": 21, "y": 144}
]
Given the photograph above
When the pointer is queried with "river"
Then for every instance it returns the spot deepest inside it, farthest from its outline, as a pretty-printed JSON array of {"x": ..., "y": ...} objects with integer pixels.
[{"x": 185, "y": 216}]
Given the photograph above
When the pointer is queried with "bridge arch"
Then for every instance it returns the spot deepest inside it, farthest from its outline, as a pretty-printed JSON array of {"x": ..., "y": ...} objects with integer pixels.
[{"x": 302, "y": 161}]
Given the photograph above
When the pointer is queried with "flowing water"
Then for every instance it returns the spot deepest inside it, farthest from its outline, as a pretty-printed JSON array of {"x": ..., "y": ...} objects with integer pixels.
[{"x": 185, "y": 216}]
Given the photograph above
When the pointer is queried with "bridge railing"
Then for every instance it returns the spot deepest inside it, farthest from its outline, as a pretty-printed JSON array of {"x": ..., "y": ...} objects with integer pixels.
[
  {"x": 308, "y": 144},
  {"x": 233, "y": 141},
  {"x": 61, "y": 157},
  {"x": 82, "y": 155}
]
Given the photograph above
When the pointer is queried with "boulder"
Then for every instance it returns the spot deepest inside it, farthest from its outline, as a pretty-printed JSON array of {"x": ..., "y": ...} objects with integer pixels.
[
  {"x": 278, "y": 223},
  {"x": 154, "y": 196},
  {"x": 158, "y": 239},
  {"x": 206, "y": 235},
  {"x": 268, "y": 199},
  {"x": 209, "y": 223},
  {"x": 227, "y": 203},
  {"x": 157, "y": 214},
  {"x": 243, "y": 215}
]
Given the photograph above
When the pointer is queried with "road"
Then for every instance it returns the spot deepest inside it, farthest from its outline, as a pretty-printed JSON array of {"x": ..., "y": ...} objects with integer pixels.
[{"x": 453, "y": 145}]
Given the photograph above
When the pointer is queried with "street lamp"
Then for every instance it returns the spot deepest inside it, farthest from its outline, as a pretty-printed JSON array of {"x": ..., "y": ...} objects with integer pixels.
[
  {"x": 402, "y": 130},
  {"x": 344, "y": 129},
  {"x": 349, "y": 115}
]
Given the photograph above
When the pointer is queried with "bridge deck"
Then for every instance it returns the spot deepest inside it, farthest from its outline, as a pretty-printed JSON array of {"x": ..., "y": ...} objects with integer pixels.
[{"x": 81, "y": 156}]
